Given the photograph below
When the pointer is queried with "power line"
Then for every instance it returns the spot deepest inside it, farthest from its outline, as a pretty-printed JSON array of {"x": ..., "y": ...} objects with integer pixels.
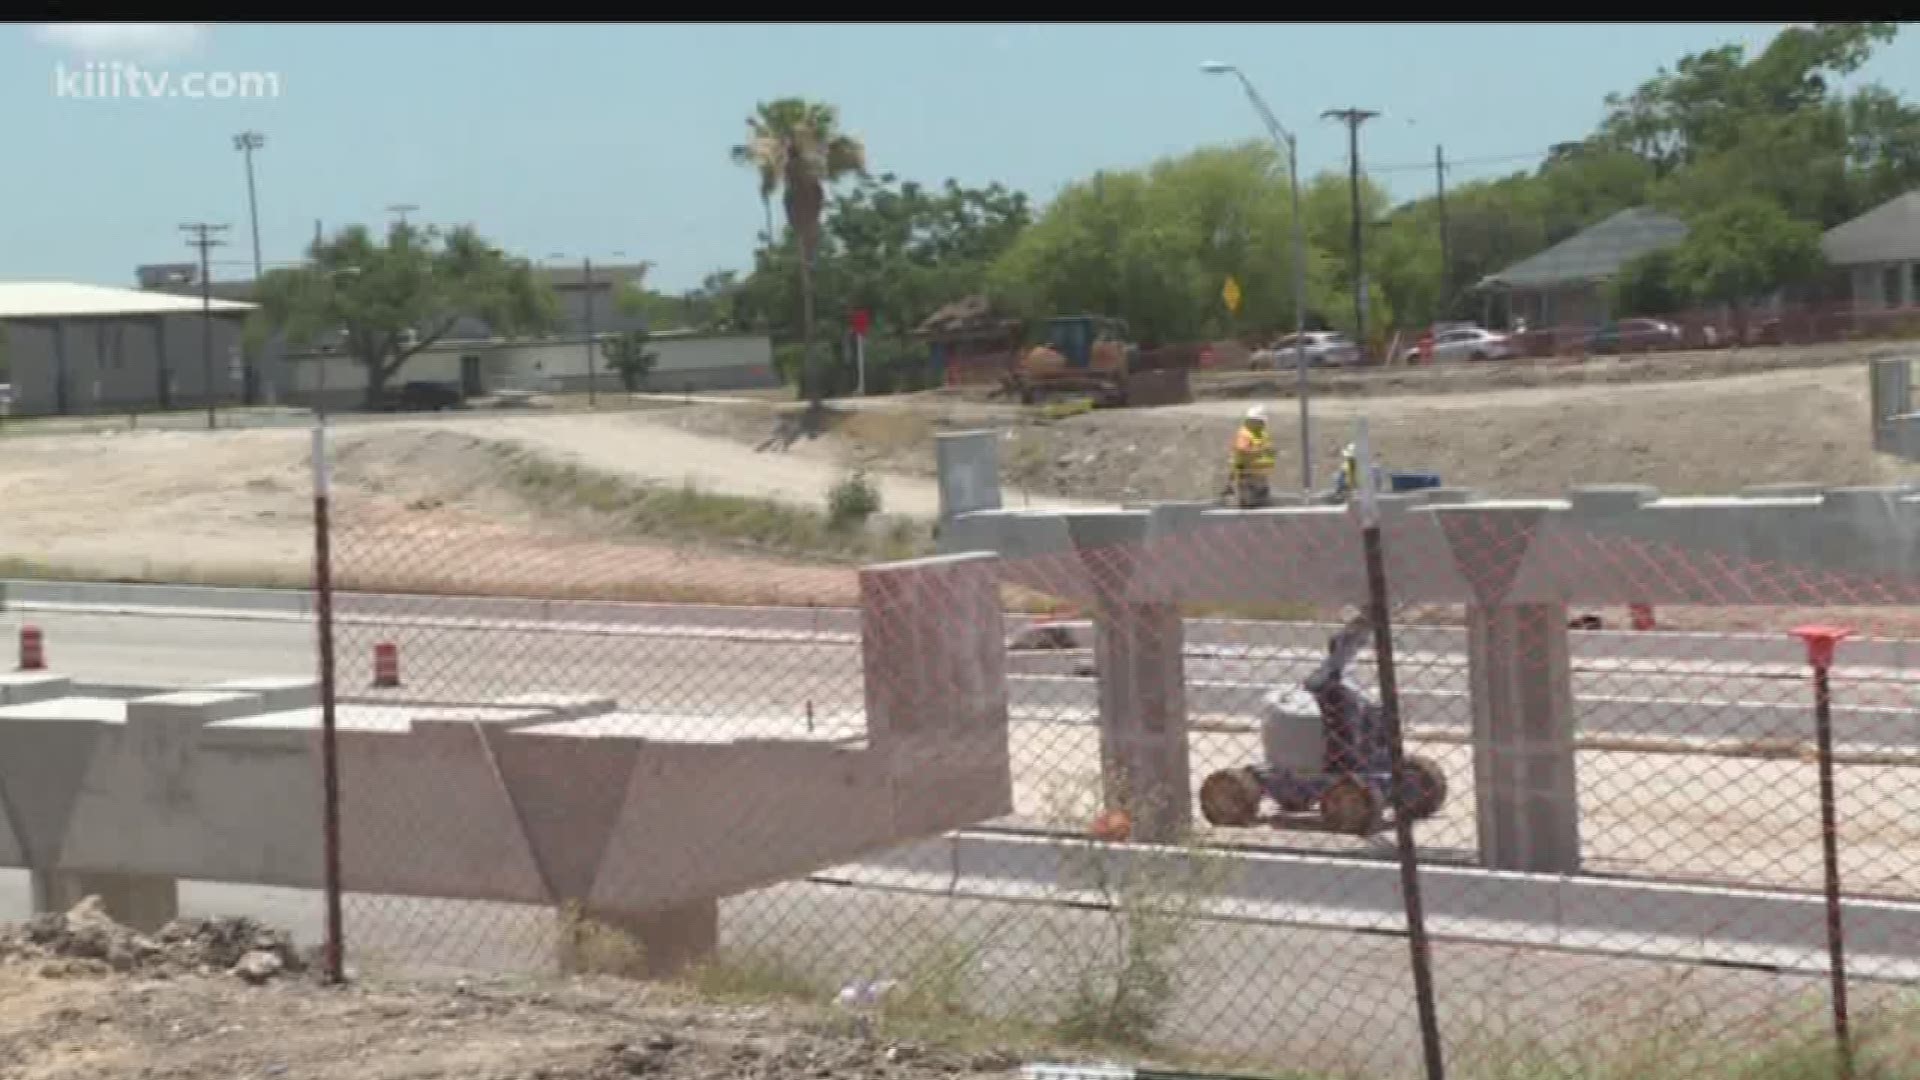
[{"x": 1423, "y": 166}]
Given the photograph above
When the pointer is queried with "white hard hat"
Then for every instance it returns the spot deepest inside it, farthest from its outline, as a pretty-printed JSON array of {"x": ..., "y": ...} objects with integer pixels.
[{"x": 1257, "y": 414}]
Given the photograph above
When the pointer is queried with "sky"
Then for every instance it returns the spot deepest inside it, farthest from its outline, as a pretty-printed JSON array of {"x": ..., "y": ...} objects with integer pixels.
[{"x": 610, "y": 141}]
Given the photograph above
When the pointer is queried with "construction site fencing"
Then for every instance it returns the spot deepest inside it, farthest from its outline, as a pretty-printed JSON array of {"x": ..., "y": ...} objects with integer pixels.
[{"x": 972, "y": 787}]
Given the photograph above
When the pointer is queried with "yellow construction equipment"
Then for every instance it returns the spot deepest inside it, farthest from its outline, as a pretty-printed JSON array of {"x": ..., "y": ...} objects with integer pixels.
[{"x": 1091, "y": 354}]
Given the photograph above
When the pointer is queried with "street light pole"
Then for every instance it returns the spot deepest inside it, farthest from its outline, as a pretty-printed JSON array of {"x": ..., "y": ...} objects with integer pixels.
[
  {"x": 1284, "y": 139},
  {"x": 247, "y": 142}
]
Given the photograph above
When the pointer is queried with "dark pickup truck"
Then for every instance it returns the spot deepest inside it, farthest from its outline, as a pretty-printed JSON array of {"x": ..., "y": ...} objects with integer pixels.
[{"x": 423, "y": 397}]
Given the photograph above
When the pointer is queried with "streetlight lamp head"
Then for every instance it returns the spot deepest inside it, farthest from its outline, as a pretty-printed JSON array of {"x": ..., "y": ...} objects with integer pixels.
[{"x": 1215, "y": 67}]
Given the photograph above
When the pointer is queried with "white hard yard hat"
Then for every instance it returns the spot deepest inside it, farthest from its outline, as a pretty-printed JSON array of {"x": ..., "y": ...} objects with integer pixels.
[{"x": 1257, "y": 414}]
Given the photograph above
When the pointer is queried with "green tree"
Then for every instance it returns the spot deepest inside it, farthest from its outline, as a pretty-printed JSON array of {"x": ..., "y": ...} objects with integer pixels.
[
  {"x": 628, "y": 354},
  {"x": 1649, "y": 286},
  {"x": 391, "y": 300},
  {"x": 1743, "y": 250},
  {"x": 1154, "y": 247},
  {"x": 797, "y": 147}
]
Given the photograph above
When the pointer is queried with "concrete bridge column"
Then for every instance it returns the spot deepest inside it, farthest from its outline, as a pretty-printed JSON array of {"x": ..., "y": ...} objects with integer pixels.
[
  {"x": 1527, "y": 804},
  {"x": 1139, "y": 643},
  {"x": 1139, "y": 650},
  {"x": 1525, "y": 784}
]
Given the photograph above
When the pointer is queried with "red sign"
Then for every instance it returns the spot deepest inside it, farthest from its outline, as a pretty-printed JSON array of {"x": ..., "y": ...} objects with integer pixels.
[{"x": 860, "y": 320}]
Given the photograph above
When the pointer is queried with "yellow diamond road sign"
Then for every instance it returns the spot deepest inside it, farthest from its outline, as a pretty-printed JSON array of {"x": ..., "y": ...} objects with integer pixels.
[{"x": 1230, "y": 292}]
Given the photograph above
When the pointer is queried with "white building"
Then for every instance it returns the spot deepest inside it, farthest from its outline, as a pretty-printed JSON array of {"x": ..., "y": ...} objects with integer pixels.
[
  {"x": 687, "y": 360},
  {"x": 1879, "y": 253},
  {"x": 77, "y": 348}
]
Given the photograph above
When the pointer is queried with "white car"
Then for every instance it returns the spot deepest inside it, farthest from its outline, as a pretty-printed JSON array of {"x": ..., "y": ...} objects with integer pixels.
[
  {"x": 1466, "y": 343},
  {"x": 1324, "y": 348}
]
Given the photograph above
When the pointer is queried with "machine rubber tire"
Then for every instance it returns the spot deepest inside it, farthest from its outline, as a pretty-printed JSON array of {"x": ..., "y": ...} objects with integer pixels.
[
  {"x": 1350, "y": 805},
  {"x": 1230, "y": 798},
  {"x": 1428, "y": 786}
]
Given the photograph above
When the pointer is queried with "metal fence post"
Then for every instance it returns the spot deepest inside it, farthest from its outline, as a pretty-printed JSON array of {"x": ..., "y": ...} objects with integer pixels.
[
  {"x": 1821, "y": 641},
  {"x": 329, "y": 750},
  {"x": 1380, "y": 615}
]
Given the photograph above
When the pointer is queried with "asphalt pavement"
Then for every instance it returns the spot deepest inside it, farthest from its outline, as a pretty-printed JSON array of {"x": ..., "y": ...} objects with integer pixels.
[{"x": 704, "y": 671}]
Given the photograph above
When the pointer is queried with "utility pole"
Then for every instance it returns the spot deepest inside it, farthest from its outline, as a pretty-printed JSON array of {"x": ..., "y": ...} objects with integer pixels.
[
  {"x": 247, "y": 142},
  {"x": 203, "y": 239},
  {"x": 1446, "y": 259},
  {"x": 1353, "y": 118},
  {"x": 586, "y": 288},
  {"x": 402, "y": 209},
  {"x": 586, "y": 284}
]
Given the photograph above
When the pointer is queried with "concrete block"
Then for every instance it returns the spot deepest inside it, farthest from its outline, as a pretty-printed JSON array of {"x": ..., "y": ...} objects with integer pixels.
[
  {"x": 968, "y": 464},
  {"x": 21, "y": 687},
  {"x": 140, "y": 901}
]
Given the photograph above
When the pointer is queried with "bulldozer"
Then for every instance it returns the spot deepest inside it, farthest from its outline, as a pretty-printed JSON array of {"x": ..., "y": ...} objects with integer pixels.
[{"x": 1092, "y": 354}]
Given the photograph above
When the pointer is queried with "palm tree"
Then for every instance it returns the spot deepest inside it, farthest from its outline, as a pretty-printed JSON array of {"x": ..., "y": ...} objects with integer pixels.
[{"x": 797, "y": 148}]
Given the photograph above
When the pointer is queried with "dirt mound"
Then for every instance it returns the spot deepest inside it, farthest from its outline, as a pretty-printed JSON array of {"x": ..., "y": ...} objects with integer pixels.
[
  {"x": 85, "y": 941},
  {"x": 801, "y": 1054}
]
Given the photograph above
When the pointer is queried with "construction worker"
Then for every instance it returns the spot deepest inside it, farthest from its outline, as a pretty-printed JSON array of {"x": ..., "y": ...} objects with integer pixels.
[
  {"x": 1251, "y": 466},
  {"x": 1349, "y": 471}
]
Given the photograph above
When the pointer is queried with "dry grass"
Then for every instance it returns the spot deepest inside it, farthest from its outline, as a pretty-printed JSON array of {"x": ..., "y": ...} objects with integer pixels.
[{"x": 886, "y": 433}]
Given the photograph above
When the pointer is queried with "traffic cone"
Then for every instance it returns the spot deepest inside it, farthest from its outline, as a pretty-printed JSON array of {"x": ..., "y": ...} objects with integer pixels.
[
  {"x": 33, "y": 652},
  {"x": 386, "y": 664}
]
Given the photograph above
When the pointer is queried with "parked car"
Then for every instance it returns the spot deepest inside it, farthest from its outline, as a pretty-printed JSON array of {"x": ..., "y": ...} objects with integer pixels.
[
  {"x": 422, "y": 396},
  {"x": 1635, "y": 336},
  {"x": 1324, "y": 348},
  {"x": 1463, "y": 343}
]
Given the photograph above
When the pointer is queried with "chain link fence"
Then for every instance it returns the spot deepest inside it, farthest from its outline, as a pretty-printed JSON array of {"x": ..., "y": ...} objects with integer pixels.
[{"x": 1145, "y": 797}]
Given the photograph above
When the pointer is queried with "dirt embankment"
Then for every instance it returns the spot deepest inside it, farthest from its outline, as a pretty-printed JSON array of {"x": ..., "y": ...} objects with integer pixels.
[
  {"x": 415, "y": 506},
  {"x": 83, "y": 999},
  {"x": 1695, "y": 436}
]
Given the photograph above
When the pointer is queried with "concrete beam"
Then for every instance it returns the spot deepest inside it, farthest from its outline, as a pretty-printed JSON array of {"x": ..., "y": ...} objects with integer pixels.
[{"x": 544, "y": 798}]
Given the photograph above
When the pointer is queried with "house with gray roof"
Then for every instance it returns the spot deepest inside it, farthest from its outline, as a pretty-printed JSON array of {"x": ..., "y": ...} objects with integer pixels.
[
  {"x": 1566, "y": 285},
  {"x": 1878, "y": 253}
]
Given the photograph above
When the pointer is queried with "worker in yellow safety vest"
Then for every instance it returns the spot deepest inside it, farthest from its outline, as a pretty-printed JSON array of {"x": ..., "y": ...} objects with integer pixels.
[{"x": 1251, "y": 466}]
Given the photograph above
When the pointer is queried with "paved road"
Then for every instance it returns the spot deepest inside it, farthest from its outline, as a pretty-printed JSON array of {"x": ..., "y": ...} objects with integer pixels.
[{"x": 712, "y": 675}]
